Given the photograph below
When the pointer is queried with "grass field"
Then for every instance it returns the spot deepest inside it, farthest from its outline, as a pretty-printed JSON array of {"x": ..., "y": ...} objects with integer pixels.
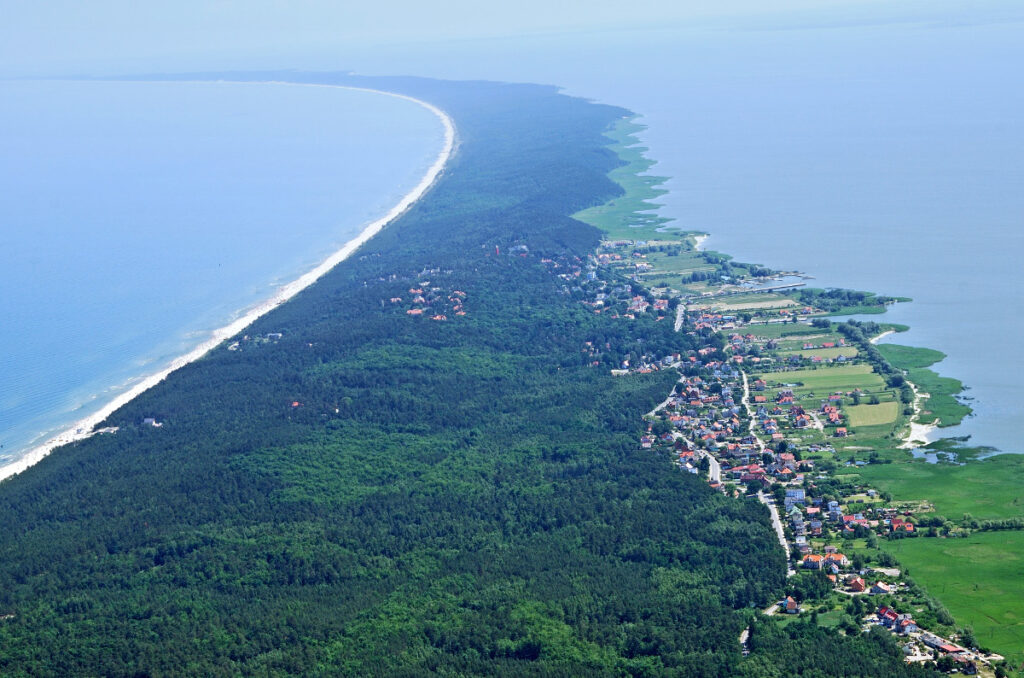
[
  {"x": 783, "y": 330},
  {"x": 979, "y": 579},
  {"x": 848, "y": 351},
  {"x": 988, "y": 489},
  {"x": 825, "y": 380},
  {"x": 873, "y": 415}
]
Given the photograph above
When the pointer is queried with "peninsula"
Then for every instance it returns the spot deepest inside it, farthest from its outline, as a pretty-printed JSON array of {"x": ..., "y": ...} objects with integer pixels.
[{"x": 507, "y": 436}]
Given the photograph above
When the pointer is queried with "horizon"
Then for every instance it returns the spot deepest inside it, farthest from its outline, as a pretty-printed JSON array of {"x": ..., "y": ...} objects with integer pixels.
[{"x": 114, "y": 38}]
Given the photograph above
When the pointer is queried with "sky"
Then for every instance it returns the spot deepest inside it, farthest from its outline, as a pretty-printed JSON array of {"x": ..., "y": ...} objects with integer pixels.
[{"x": 103, "y": 37}]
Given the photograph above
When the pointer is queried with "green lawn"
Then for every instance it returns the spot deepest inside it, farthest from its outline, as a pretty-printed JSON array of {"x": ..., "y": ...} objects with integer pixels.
[
  {"x": 873, "y": 415},
  {"x": 979, "y": 579}
]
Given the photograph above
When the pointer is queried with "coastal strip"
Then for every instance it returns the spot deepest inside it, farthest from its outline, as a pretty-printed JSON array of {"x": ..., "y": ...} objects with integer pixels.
[{"x": 83, "y": 428}]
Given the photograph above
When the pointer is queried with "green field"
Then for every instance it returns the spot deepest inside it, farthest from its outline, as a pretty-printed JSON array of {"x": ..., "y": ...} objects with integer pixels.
[
  {"x": 873, "y": 415},
  {"x": 848, "y": 351},
  {"x": 979, "y": 579},
  {"x": 825, "y": 380},
  {"x": 796, "y": 343},
  {"x": 988, "y": 489},
  {"x": 778, "y": 330}
]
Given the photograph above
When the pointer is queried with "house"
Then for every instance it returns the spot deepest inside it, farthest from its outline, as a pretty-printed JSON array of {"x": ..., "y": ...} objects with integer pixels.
[
  {"x": 906, "y": 625},
  {"x": 880, "y": 589},
  {"x": 856, "y": 584},
  {"x": 840, "y": 432},
  {"x": 812, "y": 562},
  {"x": 887, "y": 616},
  {"x": 790, "y": 605},
  {"x": 837, "y": 559}
]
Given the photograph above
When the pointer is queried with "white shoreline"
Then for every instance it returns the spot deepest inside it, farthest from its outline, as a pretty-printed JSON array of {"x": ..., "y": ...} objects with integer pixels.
[
  {"x": 698, "y": 241},
  {"x": 83, "y": 428},
  {"x": 875, "y": 340}
]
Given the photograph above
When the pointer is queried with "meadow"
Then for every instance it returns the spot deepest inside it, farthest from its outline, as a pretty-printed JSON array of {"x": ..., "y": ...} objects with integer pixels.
[
  {"x": 873, "y": 415},
  {"x": 980, "y": 580},
  {"x": 988, "y": 489},
  {"x": 825, "y": 380}
]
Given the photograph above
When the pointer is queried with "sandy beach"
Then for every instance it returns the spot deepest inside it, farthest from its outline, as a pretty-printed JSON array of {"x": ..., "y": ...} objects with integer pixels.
[
  {"x": 875, "y": 340},
  {"x": 917, "y": 434},
  {"x": 83, "y": 428},
  {"x": 698, "y": 241}
]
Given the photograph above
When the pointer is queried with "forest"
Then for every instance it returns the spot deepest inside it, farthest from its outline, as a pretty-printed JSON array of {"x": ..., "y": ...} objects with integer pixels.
[{"x": 356, "y": 490}]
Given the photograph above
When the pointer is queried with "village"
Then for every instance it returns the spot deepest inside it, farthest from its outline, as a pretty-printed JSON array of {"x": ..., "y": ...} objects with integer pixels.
[{"x": 782, "y": 410}]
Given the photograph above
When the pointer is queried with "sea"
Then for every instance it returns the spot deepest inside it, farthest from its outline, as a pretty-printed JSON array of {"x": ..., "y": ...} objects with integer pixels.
[
  {"x": 877, "y": 152},
  {"x": 138, "y": 217},
  {"x": 881, "y": 151}
]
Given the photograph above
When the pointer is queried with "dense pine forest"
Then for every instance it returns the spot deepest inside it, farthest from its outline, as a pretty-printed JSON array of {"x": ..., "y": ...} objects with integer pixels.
[{"x": 354, "y": 489}]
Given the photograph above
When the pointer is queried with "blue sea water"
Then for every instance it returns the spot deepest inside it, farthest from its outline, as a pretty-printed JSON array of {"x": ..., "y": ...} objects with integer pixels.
[
  {"x": 884, "y": 155},
  {"x": 135, "y": 218}
]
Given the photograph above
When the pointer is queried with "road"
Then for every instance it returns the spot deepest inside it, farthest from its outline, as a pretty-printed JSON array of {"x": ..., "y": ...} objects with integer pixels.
[
  {"x": 750, "y": 412},
  {"x": 714, "y": 469},
  {"x": 777, "y": 524}
]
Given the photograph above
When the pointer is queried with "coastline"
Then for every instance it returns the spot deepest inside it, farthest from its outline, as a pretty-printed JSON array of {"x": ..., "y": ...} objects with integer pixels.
[
  {"x": 83, "y": 428},
  {"x": 883, "y": 335}
]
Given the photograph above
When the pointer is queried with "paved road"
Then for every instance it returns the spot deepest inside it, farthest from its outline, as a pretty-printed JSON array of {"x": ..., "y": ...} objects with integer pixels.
[
  {"x": 715, "y": 469},
  {"x": 750, "y": 412},
  {"x": 777, "y": 524}
]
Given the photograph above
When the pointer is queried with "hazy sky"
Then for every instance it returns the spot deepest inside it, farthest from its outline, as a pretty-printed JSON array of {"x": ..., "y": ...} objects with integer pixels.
[{"x": 118, "y": 36}]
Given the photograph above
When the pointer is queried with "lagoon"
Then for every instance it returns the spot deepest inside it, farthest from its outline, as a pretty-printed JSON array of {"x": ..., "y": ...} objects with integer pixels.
[{"x": 871, "y": 154}]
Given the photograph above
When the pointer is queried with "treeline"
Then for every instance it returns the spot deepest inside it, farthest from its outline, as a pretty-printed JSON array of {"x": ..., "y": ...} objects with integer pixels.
[
  {"x": 836, "y": 300},
  {"x": 805, "y": 649},
  {"x": 380, "y": 494}
]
